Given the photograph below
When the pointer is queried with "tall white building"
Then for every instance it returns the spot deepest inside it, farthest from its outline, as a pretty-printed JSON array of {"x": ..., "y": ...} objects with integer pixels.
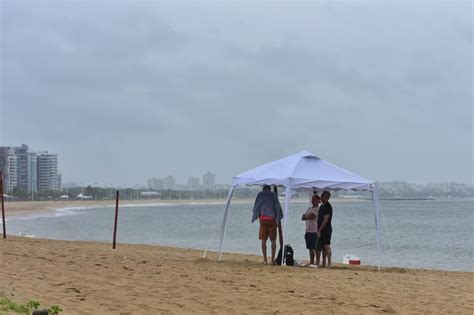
[
  {"x": 48, "y": 175},
  {"x": 11, "y": 173}
]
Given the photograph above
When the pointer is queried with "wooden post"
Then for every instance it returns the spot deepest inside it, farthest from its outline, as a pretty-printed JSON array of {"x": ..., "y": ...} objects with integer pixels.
[
  {"x": 3, "y": 206},
  {"x": 280, "y": 230},
  {"x": 116, "y": 218}
]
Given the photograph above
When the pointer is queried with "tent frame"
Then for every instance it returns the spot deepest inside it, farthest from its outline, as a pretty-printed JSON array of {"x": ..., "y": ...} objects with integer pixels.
[
  {"x": 288, "y": 195},
  {"x": 292, "y": 184}
]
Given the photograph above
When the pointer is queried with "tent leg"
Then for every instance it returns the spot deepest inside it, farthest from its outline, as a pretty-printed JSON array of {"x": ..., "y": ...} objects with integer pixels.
[
  {"x": 376, "y": 205},
  {"x": 224, "y": 222},
  {"x": 288, "y": 191},
  {"x": 213, "y": 232},
  {"x": 280, "y": 230}
]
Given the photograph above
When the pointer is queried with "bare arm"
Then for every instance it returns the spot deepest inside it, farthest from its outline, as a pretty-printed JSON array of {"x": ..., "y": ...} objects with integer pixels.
[{"x": 310, "y": 216}]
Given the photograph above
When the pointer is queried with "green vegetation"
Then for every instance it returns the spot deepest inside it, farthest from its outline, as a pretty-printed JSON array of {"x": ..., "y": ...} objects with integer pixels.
[{"x": 9, "y": 307}]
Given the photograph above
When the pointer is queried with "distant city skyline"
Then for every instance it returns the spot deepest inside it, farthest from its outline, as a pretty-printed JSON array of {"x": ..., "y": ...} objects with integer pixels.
[{"x": 172, "y": 179}]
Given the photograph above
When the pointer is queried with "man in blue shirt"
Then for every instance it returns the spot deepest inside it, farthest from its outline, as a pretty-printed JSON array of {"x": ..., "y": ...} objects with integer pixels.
[{"x": 268, "y": 210}]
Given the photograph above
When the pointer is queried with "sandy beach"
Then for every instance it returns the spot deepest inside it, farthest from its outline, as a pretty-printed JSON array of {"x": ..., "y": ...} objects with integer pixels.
[{"x": 91, "y": 278}]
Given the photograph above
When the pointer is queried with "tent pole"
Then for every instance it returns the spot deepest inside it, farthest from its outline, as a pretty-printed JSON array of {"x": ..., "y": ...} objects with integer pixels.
[
  {"x": 285, "y": 217},
  {"x": 214, "y": 231},
  {"x": 280, "y": 230},
  {"x": 376, "y": 205},
  {"x": 224, "y": 222}
]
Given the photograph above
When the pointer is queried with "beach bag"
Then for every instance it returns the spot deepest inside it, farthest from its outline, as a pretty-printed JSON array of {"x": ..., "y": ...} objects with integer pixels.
[{"x": 289, "y": 260}]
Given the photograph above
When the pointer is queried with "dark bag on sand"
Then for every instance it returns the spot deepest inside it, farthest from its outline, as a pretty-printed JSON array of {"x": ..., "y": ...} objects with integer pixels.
[{"x": 289, "y": 261}]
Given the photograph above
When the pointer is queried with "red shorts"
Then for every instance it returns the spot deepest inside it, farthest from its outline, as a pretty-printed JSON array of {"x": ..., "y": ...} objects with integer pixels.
[{"x": 268, "y": 229}]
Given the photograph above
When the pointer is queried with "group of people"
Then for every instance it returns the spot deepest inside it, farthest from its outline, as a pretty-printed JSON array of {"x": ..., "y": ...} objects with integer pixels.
[{"x": 267, "y": 210}]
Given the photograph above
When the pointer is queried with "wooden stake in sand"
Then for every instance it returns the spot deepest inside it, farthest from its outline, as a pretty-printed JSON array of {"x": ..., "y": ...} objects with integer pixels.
[
  {"x": 3, "y": 206},
  {"x": 116, "y": 218}
]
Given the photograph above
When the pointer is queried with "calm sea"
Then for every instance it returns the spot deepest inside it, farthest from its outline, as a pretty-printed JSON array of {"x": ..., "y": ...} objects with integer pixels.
[{"x": 415, "y": 234}]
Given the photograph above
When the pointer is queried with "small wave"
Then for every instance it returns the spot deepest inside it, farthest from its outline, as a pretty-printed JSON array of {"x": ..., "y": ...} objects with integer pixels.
[{"x": 26, "y": 235}]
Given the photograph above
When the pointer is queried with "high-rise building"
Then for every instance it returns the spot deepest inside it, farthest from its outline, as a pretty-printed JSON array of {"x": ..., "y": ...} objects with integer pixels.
[
  {"x": 11, "y": 173},
  {"x": 48, "y": 175},
  {"x": 21, "y": 154},
  {"x": 209, "y": 180},
  {"x": 15, "y": 176},
  {"x": 193, "y": 183},
  {"x": 29, "y": 171},
  {"x": 32, "y": 172}
]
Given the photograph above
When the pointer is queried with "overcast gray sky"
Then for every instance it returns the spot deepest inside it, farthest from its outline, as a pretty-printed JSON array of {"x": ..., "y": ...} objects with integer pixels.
[{"x": 124, "y": 91}]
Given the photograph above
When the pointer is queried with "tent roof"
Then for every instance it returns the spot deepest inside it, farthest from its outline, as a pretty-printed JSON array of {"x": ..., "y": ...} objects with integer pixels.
[{"x": 303, "y": 171}]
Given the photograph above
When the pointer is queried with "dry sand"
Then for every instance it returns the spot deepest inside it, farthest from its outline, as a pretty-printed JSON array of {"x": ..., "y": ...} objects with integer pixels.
[{"x": 91, "y": 278}]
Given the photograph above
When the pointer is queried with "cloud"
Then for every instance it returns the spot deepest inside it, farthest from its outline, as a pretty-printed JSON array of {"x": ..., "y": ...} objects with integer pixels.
[{"x": 182, "y": 88}]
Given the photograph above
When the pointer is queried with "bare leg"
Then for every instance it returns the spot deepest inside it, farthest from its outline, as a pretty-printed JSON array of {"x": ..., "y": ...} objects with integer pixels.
[
  {"x": 324, "y": 257},
  {"x": 264, "y": 250},
  {"x": 311, "y": 256},
  {"x": 274, "y": 246},
  {"x": 328, "y": 254},
  {"x": 318, "y": 257}
]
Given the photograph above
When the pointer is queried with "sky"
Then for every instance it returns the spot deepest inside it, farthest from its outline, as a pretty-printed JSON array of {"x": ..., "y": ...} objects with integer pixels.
[{"x": 125, "y": 91}]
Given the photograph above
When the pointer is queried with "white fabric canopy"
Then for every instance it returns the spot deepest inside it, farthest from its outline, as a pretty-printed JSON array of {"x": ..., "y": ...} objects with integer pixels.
[{"x": 302, "y": 171}]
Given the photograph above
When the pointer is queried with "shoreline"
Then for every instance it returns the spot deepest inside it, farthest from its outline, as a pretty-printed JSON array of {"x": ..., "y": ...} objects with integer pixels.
[
  {"x": 90, "y": 277},
  {"x": 25, "y": 208}
]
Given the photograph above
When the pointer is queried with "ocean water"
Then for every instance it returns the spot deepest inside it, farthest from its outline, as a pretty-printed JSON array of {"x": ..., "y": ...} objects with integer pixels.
[{"x": 415, "y": 234}]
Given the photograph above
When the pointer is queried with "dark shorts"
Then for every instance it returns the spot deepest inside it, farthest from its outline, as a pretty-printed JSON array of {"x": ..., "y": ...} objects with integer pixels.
[
  {"x": 326, "y": 237},
  {"x": 312, "y": 241}
]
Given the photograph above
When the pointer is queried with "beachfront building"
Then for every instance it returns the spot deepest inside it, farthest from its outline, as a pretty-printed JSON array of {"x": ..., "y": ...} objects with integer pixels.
[
  {"x": 48, "y": 175},
  {"x": 9, "y": 167},
  {"x": 21, "y": 154},
  {"x": 11, "y": 173},
  {"x": 209, "y": 181},
  {"x": 32, "y": 172},
  {"x": 29, "y": 171}
]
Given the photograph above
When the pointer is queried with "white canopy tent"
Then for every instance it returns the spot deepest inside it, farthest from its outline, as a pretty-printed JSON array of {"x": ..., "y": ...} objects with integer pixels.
[{"x": 302, "y": 171}]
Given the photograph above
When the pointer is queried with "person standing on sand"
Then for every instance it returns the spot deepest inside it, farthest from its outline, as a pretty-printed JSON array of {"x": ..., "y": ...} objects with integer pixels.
[
  {"x": 312, "y": 243},
  {"x": 324, "y": 231},
  {"x": 268, "y": 210}
]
